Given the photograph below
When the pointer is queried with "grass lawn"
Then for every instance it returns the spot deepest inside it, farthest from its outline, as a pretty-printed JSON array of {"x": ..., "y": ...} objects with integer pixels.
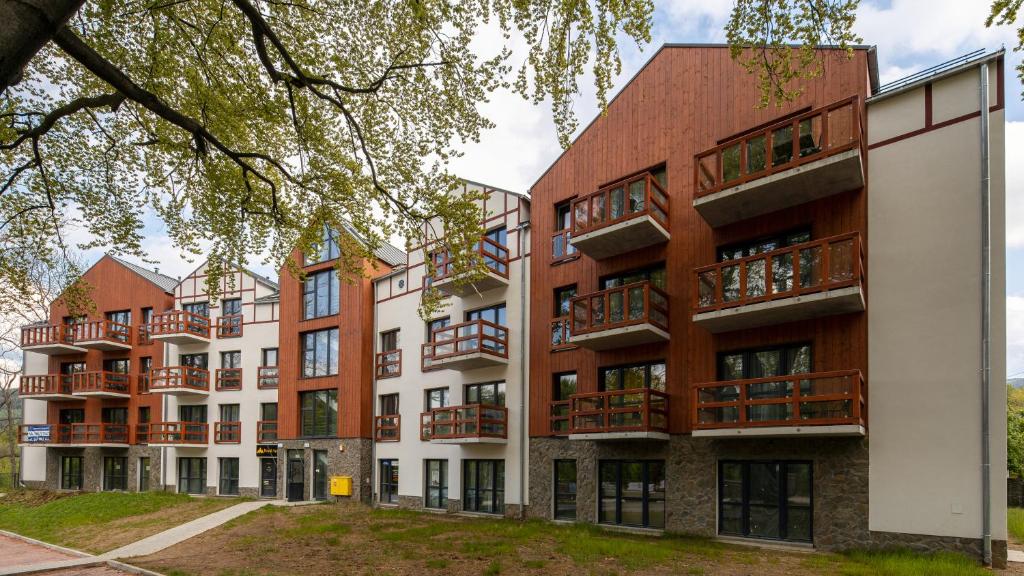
[
  {"x": 353, "y": 539},
  {"x": 99, "y": 521},
  {"x": 1015, "y": 523}
]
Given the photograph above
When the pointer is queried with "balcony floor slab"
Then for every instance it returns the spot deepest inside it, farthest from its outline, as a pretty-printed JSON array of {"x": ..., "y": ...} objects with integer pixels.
[
  {"x": 837, "y": 430},
  {"x": 105, "y": 345},
  {"x": 620, "y": 337},
  {"x": 469, "y": 441},
  {"x": 55, "y": 349},
  {"x": 620, "y": 436},
  {"x": 180, "y": 338},
  {"x": 468, "y": 361},
  {"x": 180, "y": 391},
  {"x": 827, "y": 303},
  {"x": 491, "y": 281},
  {"x": 102, "y": 394},
  {"x": 621, "y": 237},
  {"x": 61, "y": 397}
]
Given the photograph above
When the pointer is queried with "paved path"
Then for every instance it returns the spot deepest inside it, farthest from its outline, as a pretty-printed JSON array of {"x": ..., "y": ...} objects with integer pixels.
[{"x": 1015, "y": 555}]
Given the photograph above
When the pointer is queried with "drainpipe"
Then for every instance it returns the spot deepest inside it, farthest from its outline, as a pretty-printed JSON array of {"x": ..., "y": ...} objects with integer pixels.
[
  {"x": 523, "y": 384},
  {"x": 373, "y": 410},
  {"x": 163, "y": 411},
  {"x": 986, "y": 327}
]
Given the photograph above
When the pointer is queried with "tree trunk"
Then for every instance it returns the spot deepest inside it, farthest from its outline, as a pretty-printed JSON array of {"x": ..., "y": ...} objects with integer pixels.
[{"x": 27, "y": 25}]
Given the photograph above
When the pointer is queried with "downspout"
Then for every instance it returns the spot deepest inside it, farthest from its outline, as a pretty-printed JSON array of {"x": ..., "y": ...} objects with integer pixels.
[
  {"x": 523, "y": 384},
  {"x": 373, "y": 403},
  {"x": 986, "y": 327},
  {"x": 163, "y": 411}
]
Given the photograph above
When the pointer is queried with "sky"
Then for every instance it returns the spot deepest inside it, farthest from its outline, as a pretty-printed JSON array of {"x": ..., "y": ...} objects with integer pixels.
[{"x": 910, "y": 35}]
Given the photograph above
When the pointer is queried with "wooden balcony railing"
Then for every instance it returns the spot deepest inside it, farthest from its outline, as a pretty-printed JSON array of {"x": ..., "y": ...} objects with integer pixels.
[
  {"x": 814, "y": 399},
  {"x": 466, "y": 338},
  {"x": 179, "y": 378},
  {"x": 101, "y": 331},
  {"x": 43, "y": 334},
  {"x": 143, "y": 336},
  {"x": 142, "y": 433},
  {"x": 561, "y": 246},
  {"x": 179, "y": 433},
  {"x": 81, "y": 433},
  {"x": 560, "y": 410},
  {"x": 493, "y": 255},
  {"x": 267, "y": 377},
  {"x": 816, "y": 266},
  {"x": 227, "y": 432},
  {"x": 44, "y": 384},
  {"x": 266, "y": 431},
  {"x": 786, "y": 144},
  {"x": 468, "y": 421},
  {"x": 389, "y": 364},
  {"x": 632, "y": 410},
  {"x": 228, "y": 379},
  {"x": 101, "y": 381},
  {"x": 387, "y": 428},
  {"x": 633, "y": 197},
  {"x": 143, "y": 383},
  {"x": 230, "y": 326},
  {"x": 179, "y": 322},
  {"x": 636, "y": 303},
  {"x": 561, "y": 332}
]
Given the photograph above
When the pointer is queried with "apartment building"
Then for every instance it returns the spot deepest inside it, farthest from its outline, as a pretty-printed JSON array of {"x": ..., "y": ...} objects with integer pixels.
[
  {"x": 725, "y": 284},
  {"x": 451, "y": 390}
]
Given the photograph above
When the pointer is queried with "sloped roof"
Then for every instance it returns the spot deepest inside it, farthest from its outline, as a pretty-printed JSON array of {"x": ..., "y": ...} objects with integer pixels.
[
  {"x": 269, "y": 298},
  {"x": 261, "y": 278},
  {"x": 165, "y": 283},
  {"x": 390, "y": 254}
]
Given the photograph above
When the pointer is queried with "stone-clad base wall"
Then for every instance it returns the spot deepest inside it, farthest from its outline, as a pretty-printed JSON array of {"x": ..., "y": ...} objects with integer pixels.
[
  {"x": 92, "y": 466},
  {"x": 353, "y": 461}
]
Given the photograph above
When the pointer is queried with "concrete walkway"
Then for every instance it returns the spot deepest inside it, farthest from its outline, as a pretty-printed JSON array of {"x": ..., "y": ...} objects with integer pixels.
[{"x": 1015, "y": 555}]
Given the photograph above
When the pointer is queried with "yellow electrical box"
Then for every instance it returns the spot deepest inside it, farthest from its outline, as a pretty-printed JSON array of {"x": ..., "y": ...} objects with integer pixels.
[{"x": 341, "y": 485}]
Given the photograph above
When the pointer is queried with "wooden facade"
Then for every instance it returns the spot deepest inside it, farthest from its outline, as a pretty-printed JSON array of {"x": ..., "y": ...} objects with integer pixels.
[{"x": 685, "y": 101}]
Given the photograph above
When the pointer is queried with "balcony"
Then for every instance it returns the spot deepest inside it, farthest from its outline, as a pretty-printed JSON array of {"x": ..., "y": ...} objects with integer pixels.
[
  {"x": 266, "y": 431},
  {"x": 387, "y": 428},
  {"x": 101, "y": 384},
  {"x": 769, "y": 169},
  {"x": 102, "y": 335},
  {"x": 227, "y": 432},
  {"x": 636, "y": 413},
  {"x": 179, "y": 380},
  {"x": 469, "y": 424},
  {"x": 618, "y": 317},
  {"x": 178, "y": 434},
  {"x": 228, "y": 379},
  {"x": 494, "y": 275},
  {"x": 389, "y": 364},
  {"x": 47, "y": 387},
  {"x": 625, "y": 216},
  {"x": 229, "y": 326},
  {"x": 75, "y": 435},
  {"x": 473, "y": 344},
  {"x": 50, "y": 339},
  {"x": 180, "y": 327},
  {"x": 815, "y": 404},
  {"x": 819, "y": 278},
  {"x": 267, "y": 377}
]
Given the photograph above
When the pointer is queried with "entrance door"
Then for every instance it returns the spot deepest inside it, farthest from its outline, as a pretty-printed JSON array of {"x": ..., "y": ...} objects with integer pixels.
[
  {"x": 143, "y": 474},
  {"x": 296, "y": 476},
  {"x": 319, "y": 474},
  {"x": 268, "y": 477}
]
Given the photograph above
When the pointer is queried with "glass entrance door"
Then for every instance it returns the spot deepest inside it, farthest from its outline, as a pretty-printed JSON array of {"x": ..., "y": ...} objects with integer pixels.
[
  {"x": 296, "y": 476},
  {"x": 320, "y": 474},
  {"x": 268, "y": 477}
]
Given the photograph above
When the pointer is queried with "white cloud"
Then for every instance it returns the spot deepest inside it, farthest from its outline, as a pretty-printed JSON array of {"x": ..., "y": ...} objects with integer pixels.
[{"x": 943, "y": 27}]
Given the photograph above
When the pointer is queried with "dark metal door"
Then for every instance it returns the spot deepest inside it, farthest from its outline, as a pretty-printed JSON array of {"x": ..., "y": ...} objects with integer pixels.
[
  {"x": 268, "y": 477},
  {"x": 296, "y": 480}
]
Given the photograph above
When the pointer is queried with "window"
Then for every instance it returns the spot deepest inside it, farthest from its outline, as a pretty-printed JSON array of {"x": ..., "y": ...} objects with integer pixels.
[
  {"x": 498, "y": 236},
  {"x": 320, "y": 353},
  {"x": 71, "y": 472},
  {"x": 115, "y": 473},
  {"x": 437, "y": 398},
  {"x": 319, "y": 413},
  {"x": 564, "y": 386},
  {"x": 231, "y": 307},
  {"x": 560, "y": 326},
  {"x": 72, "y": 415},
  {"x": 229, "y": 413},
  {"x": 268, "y": 356},
  {"x": 389, "y": 404},
  {"x": 494, "y": 315},
  {"x": 565, "y": 489},
  {"x": 119, "y": 379},
  {"x": 197, "y": 308},
  {"x": 437, "y": 484},
  {"x": 144, "y": 474},
  {"x": 114, "y": 415},
  {"x": 489, "y": 393},
  {"x": 120, "y": 317},
  {"x": 192, "y": 413},
  {"x": 230, "y": 322},
  {"x": 195, "y": 360},
  {"x": 389, "y": 481},
  {"x": 561, "y": 243},
  {"x": 648, "y": 375},
  {"x": 632, "y": 493},
  {"x": 147, "y": 316},
  {"x": 145, "y": 365},
  {"x": 654, "y": 274},
  {"x": 191, "y": 475},
  {"x": 320, "y": 294},
  {"x": 761, "y": 245},
  {"x": 435, "y": 325},
  {"x": 765, "y": 363},
  {"x": 327, "y": 250},
  {"x": 268, "y": 411},
  {"x": 228, "y": 476},
  {"x": 765, "y": 499},
  {"x": 143, "y": 414},
  {"x": 483, "y": 484},
  {"x": 231, "y": 359},
  {"x": 389, "y": 341}
]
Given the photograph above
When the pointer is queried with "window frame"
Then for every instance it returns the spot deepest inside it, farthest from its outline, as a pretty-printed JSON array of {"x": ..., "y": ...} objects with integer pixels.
[
  {"x": 782, "y": 490},
  {"x": 441, "y": 490},
  {"x": 645, "y": 497},
  {"x": 647, "y": 365},
  {"x": 389, "y": 475},
  {"x": 749, "y": 355},
  {"x": 497, "y": 487},
  {"x": 113, "y": 481},
  {"x": 558, "y": 493},
  {"x": 445, "y": 401},
  {"x": 71, "y": 473},
  {"x": 224, "y": 476},
  {"x": 500, "y": 392},
  {"x": 198, "y": 308},
  {"x": 311, "y": 290},
  {"x": 332, "y": 352},
  {"x": 185, "y": 481},
  {"x": 385, "y": 400},
  {"x": 323, "y": 424},
  {"x": 328, "y": 241}
]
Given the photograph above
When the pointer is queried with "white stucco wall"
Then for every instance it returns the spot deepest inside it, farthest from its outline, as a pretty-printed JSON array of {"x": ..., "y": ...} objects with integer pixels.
[{"x": 33, "y": 458}]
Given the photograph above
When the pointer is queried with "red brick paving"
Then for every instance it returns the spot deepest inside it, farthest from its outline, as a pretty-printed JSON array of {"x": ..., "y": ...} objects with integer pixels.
[{"x": 15, "y": 552}]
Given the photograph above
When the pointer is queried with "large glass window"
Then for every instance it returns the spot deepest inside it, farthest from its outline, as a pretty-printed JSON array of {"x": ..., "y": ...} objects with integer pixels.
[
  {"x": 192, "y": 413},
  {"x": 198, "y": 308},
  {"x": 494, "y": 315},
  {"x": 389, "y": 404},
  {"x": 765, "y": 499},
  {"x": 655, "y": 274},
  {"x": 145, "y": 365},
  {"x": 561, "y": 329},
  {"x": 231, "y": 307},
  {"x": 191, "y": 475},
  {"x": 229, "y": 476},
  {"x": 269, "y": 357},
  {"x": 319, "y": 413},
  {"x": 498, "y": 236},
  {"x": 632, "y": 493},
  {"x": 231, "y": 359},
  {"x": 563, "y": 387},
  {"x": 765, "y": 363},
  {"x": 71, "y": 472},
  {"x": 195, "y": 360},
  {"x": 121, "y": 317},
  {"x": 320, "y": 294},
  {"x": 320, "y": 353},
  {"x": 320, "y": 474},
  {"x": 114, "y": 415},
  {"x": 488, "y": 393},
  {"x": 647, "y": 375},
  {"x": 561, "y": 244},
  {"x": 565, "y": 489},
  {"x": 483, "y": 486},
  {"x": 761, "y": 245},
  {"x": 389, "y": 481},
  {"x": 436, "y": 484},
  {"x": 435, "y": 325},
  {"x": 327, "y": 249},
  {"x": 436, "y": 398},
  {"x": 115, "y": 473},
  {"x": 230, "y": 413},
  {"x": 71, "y": 415}
]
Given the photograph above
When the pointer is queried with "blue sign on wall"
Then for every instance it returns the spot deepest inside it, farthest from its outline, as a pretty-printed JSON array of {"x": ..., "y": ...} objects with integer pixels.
[{"x": 37, "y": 434}]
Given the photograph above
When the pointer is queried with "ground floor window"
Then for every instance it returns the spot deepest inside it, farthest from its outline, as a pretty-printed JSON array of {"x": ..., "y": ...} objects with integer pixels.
[
  {"x": 143, "y": 474},
  {"x": 115, "y": 473},
  {"x": 71, "y": 472},
  {"x": 229, "y": 476},
  {"x": 437, "y": 484},
  {"x": 632, "y": 493},
  {"x": 565, "y": 489},
  {"x": 483, "y": 486},
  {"x": 389, "y": 481},
  {"x": 765, "y": 499},
  {"x": 191, "y": 475}
]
